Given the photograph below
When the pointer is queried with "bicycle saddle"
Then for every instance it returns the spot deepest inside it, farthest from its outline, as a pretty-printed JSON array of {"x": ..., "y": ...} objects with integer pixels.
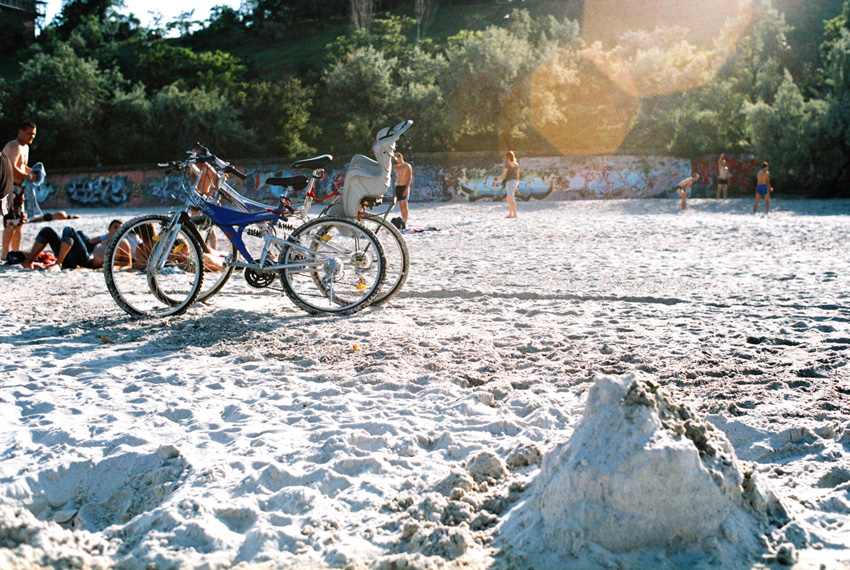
[
  {"x": 313, "y": 163},
  {"x": 294, "y": 182}
]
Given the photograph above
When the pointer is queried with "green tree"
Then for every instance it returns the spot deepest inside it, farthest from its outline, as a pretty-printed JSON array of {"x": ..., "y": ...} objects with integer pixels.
[
  {"x": 183, "y": 117},
  {"x": 129, "y": 134},
  {"x": 788, "y": 133},
  {"x": 363, "y": 93},
  {"x": 164, "y": 64},
  {"x": 280, "y": 115},
  {"x": 483, "y": 69},
  {"x": 836, "y": 53},
  {"x": 65, "y": 95}
]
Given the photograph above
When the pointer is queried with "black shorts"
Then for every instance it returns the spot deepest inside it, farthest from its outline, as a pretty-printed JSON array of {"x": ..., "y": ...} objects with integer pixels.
[
  {"x": 722, "y": 181},
  {"x": 401, "y": 193}
]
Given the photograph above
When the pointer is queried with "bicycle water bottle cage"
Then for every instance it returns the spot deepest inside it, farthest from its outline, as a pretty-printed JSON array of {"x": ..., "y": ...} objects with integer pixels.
[
  {"x": 294, "y": 182},
  {"x": 313, "y": 163}
]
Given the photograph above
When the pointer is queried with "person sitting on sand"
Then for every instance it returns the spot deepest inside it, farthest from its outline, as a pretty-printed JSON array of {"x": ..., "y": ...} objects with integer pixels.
[
  {"x": 146, "y": 233},
  {"x": 72, "y": 250},
  {"x": 684, "y": 187}
]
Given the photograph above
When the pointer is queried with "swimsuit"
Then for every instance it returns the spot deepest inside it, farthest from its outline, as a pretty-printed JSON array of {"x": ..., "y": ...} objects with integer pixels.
[
  {"x": 761, "y": 189},
  {"x": 15, "y": 217},
  {"x": 722, "y": 181},
  {"x": 401, "y": 192}
]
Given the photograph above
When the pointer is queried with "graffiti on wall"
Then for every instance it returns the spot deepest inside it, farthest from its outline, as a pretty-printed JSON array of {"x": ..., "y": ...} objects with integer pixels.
[
  {"x": 612, "y": 177},
  {"x": 99, "y": 191},
  {"x": 742, "y": 171},
  {"x": 163, "y": 190},
  {"x": 449, "y": 178}
]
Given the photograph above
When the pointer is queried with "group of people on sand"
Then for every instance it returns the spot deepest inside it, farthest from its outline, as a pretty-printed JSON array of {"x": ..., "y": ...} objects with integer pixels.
[
  {"x": 72, "y": 248},
  {"x": 763, "y": 187},
  {"x": 14, "y": 172}
]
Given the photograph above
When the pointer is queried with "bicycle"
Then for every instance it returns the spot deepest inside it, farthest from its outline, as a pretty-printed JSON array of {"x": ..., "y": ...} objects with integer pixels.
[
  {"x": 366, "y": 184},
  {"x": 374, "y": 177},
  {"x": 327, "y": 265}
]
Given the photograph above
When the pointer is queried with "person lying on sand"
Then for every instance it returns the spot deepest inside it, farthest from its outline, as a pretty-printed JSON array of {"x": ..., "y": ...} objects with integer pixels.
[
  {"x": 49, "y": 217},
  {"x": 75, "y": 249}
]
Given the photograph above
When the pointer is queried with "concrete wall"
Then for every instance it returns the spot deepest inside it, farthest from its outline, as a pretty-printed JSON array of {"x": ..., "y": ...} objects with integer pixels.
[{"x": 437, "y": 178}]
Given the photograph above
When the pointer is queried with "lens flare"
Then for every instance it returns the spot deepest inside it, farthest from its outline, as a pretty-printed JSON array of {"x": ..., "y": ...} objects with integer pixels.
[
  {"x": 577, "y": 108},
  {"x": 585, "y": 100},
  {"x": 663, "y": 46}
]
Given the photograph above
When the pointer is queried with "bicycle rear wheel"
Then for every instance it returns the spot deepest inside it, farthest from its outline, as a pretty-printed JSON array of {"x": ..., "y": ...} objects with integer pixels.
[
  {"x": 339, "y": 266},
  {"x": 134, "y": 277},
  {"x": 395, "y": 251}
]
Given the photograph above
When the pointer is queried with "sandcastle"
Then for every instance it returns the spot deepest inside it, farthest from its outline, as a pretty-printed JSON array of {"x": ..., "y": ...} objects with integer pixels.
[{"x": 641, "y": 473}]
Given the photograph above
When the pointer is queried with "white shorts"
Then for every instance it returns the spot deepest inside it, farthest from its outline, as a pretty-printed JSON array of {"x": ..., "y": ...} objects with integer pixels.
[{"x": 511, "y": 186}]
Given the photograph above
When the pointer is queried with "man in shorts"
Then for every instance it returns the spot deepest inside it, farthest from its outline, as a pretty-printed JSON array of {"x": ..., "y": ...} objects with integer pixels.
[
  {"x": 684, "y": 187},
  {"x": 18, "y": 152},
  {"x": 403, "y": 181},
  {"x": 722, "y": 176},
  {"x": 763, "y": 188}
]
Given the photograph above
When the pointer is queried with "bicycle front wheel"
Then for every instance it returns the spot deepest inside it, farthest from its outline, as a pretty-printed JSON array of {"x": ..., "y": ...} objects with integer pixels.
[
  {"x": 218, "y": 263},
  {"x": 153, "y": 269},
  {"x": 335, "y": 266},
  {"x": 395, "y": 251}
]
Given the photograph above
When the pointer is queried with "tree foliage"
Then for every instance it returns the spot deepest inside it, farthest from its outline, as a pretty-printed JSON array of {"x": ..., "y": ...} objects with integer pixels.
[{"x": 97, "y": 83}]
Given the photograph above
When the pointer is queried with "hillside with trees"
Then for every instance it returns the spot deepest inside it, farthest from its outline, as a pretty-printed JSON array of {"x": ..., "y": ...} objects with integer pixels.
[{"x": 284, "y": 78}]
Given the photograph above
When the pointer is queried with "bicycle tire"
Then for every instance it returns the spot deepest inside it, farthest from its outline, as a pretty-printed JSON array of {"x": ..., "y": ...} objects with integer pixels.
[
  {"x": 215, "y": 279},
  {"x": 143, "y": 291},
  {"x": 351, "y": 266},
  {"x": 396, "y": 253}
]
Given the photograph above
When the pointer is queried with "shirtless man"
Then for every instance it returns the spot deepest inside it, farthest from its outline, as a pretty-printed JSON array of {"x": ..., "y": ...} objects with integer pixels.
[
  {"x": 18, "y": 153},
  {"x": 763, "y": 188},
  {"x": 403, "y": 181},
  {"x": 683, "y": 187},
  {"x": 722, "y": 176}
]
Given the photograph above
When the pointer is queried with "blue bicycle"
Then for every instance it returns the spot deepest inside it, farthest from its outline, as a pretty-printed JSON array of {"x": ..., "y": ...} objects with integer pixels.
[{"x": 327, "y": 265}]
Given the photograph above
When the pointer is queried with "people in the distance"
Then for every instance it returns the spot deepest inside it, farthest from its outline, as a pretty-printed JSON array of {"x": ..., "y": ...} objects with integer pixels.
[
  {"x": 511, "y": 177},
  {"x": 684, "y": 187},
  {"x": 403, "y": 181},
  {"x": 722, "y": 176},
  {"x": 18, "y": 152},
  {"x": 763, "y": 188}
]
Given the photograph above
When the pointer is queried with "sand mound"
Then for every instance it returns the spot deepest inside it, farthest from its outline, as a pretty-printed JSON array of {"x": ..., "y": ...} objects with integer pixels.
[{"x": 641, "y": 473}]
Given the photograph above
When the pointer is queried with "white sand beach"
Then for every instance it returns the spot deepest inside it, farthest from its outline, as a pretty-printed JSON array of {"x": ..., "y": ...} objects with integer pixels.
[{"x": 250, "y": 434}]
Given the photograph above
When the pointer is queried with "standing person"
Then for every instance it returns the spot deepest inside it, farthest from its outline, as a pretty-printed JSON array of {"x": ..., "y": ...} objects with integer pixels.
[
  {"x": 722, "y": 176},
  {"x": 403, "y": 181},
  {"x": 511, "y": 177},
  {"x": 684, "y": 187},
  {"x": 763, "y": 188},
  {"x": 18, "y": 152},
  {"x": 6, "y": 184}
]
